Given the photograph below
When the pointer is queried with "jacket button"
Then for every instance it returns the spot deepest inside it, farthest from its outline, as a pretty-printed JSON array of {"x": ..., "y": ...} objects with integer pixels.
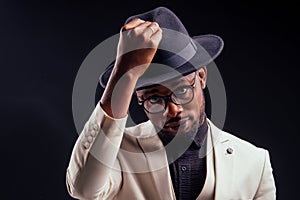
[
  {"x": 89, "y": 139},
  {"x": 86, "y": 145},
  {"x": 93, "y": 133},
  {"x": 95, "y": 127},
  {"x": 229, "y": 150}
]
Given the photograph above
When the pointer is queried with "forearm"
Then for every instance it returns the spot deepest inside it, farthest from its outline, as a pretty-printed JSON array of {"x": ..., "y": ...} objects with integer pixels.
[
  {"x": 117, "y": 95},
  {"x": 90, "y": 170}
]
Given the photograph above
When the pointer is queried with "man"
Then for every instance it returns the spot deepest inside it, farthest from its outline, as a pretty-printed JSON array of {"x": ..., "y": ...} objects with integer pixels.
[{"x": 178, "y": 153}]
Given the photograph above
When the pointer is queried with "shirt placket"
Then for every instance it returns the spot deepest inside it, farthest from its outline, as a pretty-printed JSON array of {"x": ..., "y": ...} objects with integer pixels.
[{"x": 184, "y": 178}]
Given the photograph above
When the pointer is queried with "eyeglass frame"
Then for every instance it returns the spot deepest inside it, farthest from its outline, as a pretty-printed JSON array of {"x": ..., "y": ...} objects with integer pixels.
[{"x": 169, "y": 98}]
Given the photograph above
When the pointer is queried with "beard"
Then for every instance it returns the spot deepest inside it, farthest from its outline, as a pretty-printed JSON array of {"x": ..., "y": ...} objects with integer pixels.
[
  {"x": 176, "y": 145},
  {"x": 193, "y": 127},
  {"x": 185, "y": 136}
]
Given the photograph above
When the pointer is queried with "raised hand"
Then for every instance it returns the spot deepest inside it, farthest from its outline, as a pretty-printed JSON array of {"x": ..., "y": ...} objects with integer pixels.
[{"x": 137, "y": 45}]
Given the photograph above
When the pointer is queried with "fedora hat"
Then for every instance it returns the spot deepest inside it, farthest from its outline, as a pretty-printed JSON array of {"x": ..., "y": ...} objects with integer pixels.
[{"x": 178, "y": 53}]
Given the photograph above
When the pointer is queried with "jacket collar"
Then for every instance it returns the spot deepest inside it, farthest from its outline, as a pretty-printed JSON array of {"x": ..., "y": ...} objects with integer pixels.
[{"x": 220, "y": 160}]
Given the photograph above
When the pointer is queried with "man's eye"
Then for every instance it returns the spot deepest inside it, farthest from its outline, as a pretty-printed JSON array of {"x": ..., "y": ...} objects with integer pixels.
[
  {"x": 155, "y": 100},
  {"x": 180, "y": 91}
]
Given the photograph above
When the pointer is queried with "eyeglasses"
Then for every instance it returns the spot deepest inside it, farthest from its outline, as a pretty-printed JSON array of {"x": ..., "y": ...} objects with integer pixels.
[{"x": 180, "y": 96}]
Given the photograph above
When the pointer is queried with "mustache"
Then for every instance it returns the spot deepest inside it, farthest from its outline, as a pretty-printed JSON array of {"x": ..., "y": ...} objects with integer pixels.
[{"x": 174, "y": 119}]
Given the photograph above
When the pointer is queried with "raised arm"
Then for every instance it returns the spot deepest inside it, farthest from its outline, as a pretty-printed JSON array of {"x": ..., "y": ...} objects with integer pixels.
[
  {"x": 90, "y": 174},
  {"x": 138, "y": 43}
]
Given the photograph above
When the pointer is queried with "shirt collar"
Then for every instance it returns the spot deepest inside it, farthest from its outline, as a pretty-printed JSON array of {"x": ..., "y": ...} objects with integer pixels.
[{"x": 201, "y": 135}]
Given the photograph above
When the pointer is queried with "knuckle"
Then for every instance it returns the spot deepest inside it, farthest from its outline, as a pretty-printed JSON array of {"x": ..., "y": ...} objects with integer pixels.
[
  {"x": 159, "y": 30},
  {"x": 155, "y": 24},
  {"x": 134, "y": 33},
  {"x": 143, "y": 37}
]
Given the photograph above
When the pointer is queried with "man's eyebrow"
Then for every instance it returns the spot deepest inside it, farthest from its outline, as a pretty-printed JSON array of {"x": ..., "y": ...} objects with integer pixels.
[{"x": 154, "y": 90}]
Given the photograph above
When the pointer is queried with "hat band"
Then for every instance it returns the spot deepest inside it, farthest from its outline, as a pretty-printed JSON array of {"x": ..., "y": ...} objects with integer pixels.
[{"x": 183, "y": 56}]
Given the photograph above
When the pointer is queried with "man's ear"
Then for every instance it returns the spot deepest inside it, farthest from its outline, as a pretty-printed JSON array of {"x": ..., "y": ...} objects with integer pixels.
[{"x": 202, "y": 74}]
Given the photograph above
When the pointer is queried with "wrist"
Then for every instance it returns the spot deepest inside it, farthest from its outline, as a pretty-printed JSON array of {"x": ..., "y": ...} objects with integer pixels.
[
  {"x": 117, "y": 95},
  {"x": 127, "y": 77}
]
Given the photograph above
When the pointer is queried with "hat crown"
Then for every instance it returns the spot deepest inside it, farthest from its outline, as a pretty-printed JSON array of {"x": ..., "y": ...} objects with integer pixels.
[{"x": 164, "y": 17}]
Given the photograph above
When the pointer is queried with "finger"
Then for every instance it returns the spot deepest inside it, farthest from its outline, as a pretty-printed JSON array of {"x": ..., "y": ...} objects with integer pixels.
[
  {"x": 157, "y": 36},
  {"x": 142, "y": 26},
  {"x": 132, "y": 24},
  {"x": 152, "y": 28}
]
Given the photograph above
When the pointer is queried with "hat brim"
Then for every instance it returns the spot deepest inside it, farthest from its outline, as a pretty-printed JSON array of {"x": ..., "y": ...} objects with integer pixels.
[{"x": 208, "y": 48}]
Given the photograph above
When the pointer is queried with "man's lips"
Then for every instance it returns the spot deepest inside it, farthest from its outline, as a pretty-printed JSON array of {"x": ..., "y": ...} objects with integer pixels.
[{"x": 173, "y": 123}]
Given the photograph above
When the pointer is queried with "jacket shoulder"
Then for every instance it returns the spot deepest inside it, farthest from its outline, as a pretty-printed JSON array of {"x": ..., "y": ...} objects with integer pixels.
[
  {"x": 246, "y": 151},
  {"x": 241, "y": 142},
  {"x": 237, "y": 140},
  {"x": 242, "y": 146}
]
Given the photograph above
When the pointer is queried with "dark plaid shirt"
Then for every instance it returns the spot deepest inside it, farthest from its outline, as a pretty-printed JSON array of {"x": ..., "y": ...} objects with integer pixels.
[{"x": 188, "y": 172}]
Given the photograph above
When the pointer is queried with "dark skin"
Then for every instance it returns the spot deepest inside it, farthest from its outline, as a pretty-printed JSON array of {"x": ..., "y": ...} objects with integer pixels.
[{"x": 178, "y": 119}]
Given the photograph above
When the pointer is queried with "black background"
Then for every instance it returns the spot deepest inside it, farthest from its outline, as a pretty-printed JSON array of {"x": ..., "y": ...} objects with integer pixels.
[{"x": 43, "y": 43}]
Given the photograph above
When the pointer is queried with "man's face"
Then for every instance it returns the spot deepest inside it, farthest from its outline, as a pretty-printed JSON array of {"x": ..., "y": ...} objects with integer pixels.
[{"x": 178, "y": 119}]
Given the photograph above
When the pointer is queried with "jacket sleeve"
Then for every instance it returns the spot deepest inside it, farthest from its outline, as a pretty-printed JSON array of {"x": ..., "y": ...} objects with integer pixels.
[
  {"x": 266, "y": 189},
  {"x": 94, "y": 170}
]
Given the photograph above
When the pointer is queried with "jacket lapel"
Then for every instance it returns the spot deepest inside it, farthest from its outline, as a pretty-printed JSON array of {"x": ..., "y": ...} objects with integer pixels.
[
  {"x": 209, "y": 185},
  {"x": 223, "y": 153},
  {"x": 158, "y": 164}
]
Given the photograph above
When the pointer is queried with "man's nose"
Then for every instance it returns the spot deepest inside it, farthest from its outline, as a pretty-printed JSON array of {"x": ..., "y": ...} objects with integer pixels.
[{"x": 173, "y": 110}]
